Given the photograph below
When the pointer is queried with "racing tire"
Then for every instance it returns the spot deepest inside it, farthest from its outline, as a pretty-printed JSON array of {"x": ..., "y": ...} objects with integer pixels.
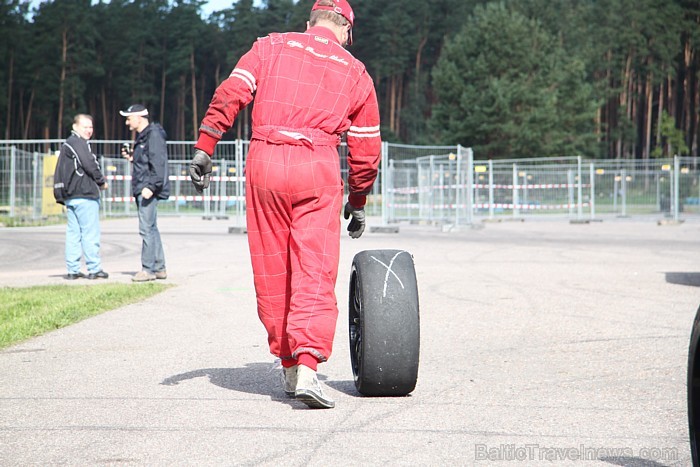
[
  {"x": 384, "y": 323},
  {"x": 694, "y": 391}
]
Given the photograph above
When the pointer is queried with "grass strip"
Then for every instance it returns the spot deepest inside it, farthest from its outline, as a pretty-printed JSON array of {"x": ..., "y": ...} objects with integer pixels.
[{"x": 31, "y": 311}]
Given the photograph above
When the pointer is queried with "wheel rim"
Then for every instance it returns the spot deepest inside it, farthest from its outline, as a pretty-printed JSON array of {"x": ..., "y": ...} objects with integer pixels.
[{"x": 355, "y": 325}]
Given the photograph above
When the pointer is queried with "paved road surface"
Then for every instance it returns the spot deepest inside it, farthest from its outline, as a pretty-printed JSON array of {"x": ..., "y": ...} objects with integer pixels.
[{"x": 542, "y": 342}]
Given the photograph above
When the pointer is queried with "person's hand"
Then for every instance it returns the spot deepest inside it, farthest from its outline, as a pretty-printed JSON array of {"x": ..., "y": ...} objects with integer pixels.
[
  {"x": 357, "y": 224},
  {"x": 104, "y": 187},
  {"x": 127, "y": 152},
  {"x": 146, "y": 193},
  {"x": 200, "y": 170}
]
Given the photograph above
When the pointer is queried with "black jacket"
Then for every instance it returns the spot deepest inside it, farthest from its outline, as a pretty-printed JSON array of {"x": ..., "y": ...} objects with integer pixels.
[
  {"x": 78, "y": 173},
  {"x": 150, "y": 164}
]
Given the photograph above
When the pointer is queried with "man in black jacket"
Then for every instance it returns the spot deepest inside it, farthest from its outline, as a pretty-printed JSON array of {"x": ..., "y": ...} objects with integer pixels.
[
  {"x": 149, "y": 184},
  {"x": 77, "y": 184}
]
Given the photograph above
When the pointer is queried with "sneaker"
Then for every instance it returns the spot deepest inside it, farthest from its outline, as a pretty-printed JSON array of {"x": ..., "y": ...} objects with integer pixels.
[
  {"x": 289, "y": 380},
  {"x": 143, "y": 276},
  {"x": 161, "y": 274},
  {"x": 98, "y": 275},
  {"x": 71, "y": 276},
  {"x": 309, "y": 390}
]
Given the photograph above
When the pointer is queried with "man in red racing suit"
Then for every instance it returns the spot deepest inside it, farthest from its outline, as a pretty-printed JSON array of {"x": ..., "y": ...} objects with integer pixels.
[{"x": 308, "y": 91}]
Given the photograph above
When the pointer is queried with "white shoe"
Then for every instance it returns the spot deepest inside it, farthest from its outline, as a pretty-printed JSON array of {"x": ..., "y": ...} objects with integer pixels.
[
  {"x": 289, "y": 380},
  {"x": 308, "y": 389}
]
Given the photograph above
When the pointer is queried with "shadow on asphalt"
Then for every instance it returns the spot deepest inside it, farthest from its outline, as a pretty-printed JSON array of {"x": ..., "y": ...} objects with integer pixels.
[
  {"x": 346, "y": 387},
  {"x": 684, "y": 278},
  {"x": 254, "y": 378}
]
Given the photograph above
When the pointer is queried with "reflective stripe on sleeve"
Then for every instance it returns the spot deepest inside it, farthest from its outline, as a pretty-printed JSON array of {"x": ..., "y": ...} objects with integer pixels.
[
  {"x": 245, "y": 76},
  {"x": 211, "y": 130},
  {"x": 364, "y": 131}
]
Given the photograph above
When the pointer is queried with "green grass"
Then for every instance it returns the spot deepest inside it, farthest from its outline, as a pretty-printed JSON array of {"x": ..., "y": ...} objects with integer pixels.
[
  {"x": 32, "y": 311},
  {"x": 7, "y": 221}
]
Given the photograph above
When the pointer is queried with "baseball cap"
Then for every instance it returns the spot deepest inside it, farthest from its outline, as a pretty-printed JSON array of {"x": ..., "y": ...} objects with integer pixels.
[
  {"x": 136, "y": 109},
  {"x": 342, "y": 7}
]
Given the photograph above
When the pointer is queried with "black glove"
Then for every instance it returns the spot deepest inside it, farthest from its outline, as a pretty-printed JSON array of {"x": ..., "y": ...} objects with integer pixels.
[
  {"x": 357, "y": 224},
  {"x": 200, "y": 170}
]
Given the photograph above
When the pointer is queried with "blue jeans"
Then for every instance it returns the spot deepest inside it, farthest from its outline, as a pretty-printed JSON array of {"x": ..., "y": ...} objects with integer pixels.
[
  {"x": 83, "y": 234},
  {"x": 152, "y": 256}
]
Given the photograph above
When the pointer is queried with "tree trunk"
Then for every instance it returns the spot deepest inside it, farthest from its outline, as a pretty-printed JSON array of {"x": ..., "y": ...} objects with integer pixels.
[
  {"x": 180, "y": 133},
  {"x": 103, "y": 107},
  {"x": 691, "y": 97},
  {"x": 194, "y": 95},
  {"x": 392, "y": 103},
  {"x": 62, "y": 82},
  {"x": 161, "y": 115},
  {"x": 610, "y": 109},
  {"x": 25, "y": 132},
  {"x": 629, "y": 104},
  {"x": 20, "y": 111},
  {"x": 10, "y": 71},
  {"x": 399, "y": 102},
  {"x": 647, "y": 118},
  {"x": 660, "y": 113},
  {"x": 624, "y": 101},
  {"x": 419, "y": 53}
]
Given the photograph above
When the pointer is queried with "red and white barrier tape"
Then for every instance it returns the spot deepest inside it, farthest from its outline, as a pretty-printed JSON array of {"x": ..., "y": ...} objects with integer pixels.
[
  {"x": 179, "y": 177},
  {"x": 537, "y": 186},
  {"x": 525, "y": 207},
  {"x": 128, "y": 199}
]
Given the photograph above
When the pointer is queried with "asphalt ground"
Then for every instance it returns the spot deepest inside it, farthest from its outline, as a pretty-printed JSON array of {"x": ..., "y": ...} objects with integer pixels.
[{"x": 542, "y": 343}]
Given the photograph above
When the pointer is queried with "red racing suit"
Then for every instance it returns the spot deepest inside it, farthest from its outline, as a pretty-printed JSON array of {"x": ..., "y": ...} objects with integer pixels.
[{"x": 308, "y": 91}]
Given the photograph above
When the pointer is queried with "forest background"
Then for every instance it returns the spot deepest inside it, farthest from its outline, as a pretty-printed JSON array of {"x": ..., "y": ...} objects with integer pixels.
[{"x": 525, "y": 78}]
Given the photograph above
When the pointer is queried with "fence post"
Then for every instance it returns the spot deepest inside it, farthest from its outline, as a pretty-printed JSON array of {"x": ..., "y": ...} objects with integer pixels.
[
  {"x": 516, "y": 209},
  {"x": 458, "y": 185},
  {"x": 36, "y": 187},
  {"x": 389, "y": 190},
  {"x": 103, "y": 194},
  {"x": 491, "y": 199},
  {"x": 222, "y": 189},
  {"x": 470, "y": 186},
  {"x": 431, "y": 184},
  {"x": 592, "y": 195},
  {"x": 384, "y": 180},
  {"x": 127, "y": 187},
  {"x": 178, "y": 184},
  {"x": 13, "y": 181},
  {"x": 676, "y": 187},
  {"x": 580, "y": 189},
  {"x": 570, "y": 183},
  {"x": 623, "y": 191},
  {"x": 441, "y": 190}
]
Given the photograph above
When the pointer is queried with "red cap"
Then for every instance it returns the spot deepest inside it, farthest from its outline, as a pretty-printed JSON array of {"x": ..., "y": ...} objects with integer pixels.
[{"x": 342, "y": 7}]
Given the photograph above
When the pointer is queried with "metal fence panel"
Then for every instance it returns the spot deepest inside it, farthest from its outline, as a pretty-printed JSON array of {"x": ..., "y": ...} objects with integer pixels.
[
  {"x": 431, "y": 189},
  {"x": 434, "y": 184}
]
